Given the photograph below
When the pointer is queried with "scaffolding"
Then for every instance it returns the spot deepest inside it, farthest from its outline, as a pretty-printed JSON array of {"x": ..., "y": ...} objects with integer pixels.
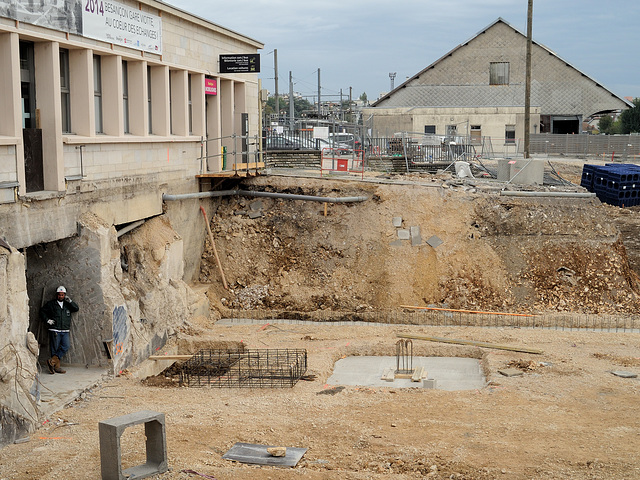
[{"x": 250, "y": 368}]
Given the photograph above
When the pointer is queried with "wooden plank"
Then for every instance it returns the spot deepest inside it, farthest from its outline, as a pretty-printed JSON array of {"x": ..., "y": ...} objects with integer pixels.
[
  {"x": 417, "y": 374},
  {"x": 248, "y": 166},
  {"x": 388, "y": 375},
  {"x": 467, "y": 311},
  {"x": 473, "y": 343}
]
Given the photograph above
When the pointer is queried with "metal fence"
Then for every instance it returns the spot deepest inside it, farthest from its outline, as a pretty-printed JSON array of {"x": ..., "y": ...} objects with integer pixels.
[
  {"x": 607, "y": 147},
  {"x": 437, "y": 318}
]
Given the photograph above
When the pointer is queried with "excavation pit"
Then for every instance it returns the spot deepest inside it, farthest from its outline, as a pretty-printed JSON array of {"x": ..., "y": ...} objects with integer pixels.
[
  {"x": 449, "y": 373},
  {"x": 247, "y": 368}
]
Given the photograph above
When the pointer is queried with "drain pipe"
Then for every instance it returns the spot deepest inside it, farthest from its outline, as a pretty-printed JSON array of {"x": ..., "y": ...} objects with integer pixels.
[
  {"x": 509, "y": 193},
  {"x": 250, "y": 193}
]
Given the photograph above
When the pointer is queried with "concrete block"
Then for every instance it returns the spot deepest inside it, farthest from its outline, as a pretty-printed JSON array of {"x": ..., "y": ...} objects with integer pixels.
[
  {"x": 110, "y": 432},
  {"x": 397, "y": 222},
  {"x": 404, "y": 234},
  {"x": 521, "y": 172},
  {"x": 429, "y": 383}
]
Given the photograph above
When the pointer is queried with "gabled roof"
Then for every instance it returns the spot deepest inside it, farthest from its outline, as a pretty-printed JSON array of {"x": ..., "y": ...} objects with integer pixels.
[{"x": 498, "y": 20}]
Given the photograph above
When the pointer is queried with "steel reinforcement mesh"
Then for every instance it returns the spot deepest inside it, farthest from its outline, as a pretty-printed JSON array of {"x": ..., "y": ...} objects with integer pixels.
[{"x": 266, "y": 368}]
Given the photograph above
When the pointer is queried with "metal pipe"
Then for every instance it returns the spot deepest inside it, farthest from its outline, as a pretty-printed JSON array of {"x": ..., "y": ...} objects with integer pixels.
[
  {"x": 310, "y": 198},
  {"x": 508, "y": 193},
  {"x": 250, "y": 193}
]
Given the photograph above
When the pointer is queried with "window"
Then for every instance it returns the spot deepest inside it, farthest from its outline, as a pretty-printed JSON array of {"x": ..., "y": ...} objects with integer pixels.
[
  {"x": 476, "y": 134},
  {"x": 97, "y": 92},
  {"x": 64, "y": 91},
  {"x": 125, "y": 96},
  {"x": 430, "y": 129},
  {"x": 190, "y": 106},
  {"x": 510, "y": 134},
  {"x": 499, "y": 73},
  {"x": 149, "y": 98}
]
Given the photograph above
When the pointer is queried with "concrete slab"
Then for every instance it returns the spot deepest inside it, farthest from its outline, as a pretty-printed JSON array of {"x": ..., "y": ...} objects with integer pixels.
[
  {"x": 396, "y": 221},
  {"x": 416, "y": 238},
  {"x": 58, "y": 390},
  {"x": 404, "y": 234},
  {"x": 258, "y": 455},
  {"x": 450, "y": 373},
  {"x": 434, "y": 241}
]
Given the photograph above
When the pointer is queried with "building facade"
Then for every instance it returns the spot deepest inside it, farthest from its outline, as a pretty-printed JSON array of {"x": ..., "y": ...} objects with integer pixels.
[
  {"x": 105, "y": 107},
  {"x": 478, "y": 89}
]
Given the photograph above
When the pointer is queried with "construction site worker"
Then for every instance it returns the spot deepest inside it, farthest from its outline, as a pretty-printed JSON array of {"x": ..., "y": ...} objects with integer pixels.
[{"x": 56, "y": 314}]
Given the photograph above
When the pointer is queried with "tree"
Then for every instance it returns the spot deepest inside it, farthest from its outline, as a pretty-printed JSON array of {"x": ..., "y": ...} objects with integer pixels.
[
  {"x": 363, "y": 97},
  {"x": 605, "y": 124},
  {"x": 630, "y": 119}
]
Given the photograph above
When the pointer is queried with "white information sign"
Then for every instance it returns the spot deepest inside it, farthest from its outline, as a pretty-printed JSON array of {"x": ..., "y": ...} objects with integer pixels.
[
  {"x": 321, "y": 132},
  {"x": 116, "y": 23}
]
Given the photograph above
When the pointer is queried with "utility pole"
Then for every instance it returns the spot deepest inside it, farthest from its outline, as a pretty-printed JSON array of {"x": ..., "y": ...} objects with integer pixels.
[
  {"x": 275, "y": 64},
  {"x": 319, "y": 108},
  {"x": 527, "y": 88},
  {"x": 291, "y": 109}
]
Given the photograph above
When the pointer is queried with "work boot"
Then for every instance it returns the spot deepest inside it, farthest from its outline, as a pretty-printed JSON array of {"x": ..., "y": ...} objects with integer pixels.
[
  {"x": 52, "y": 368},
  {"x": 56, "y": 365}
]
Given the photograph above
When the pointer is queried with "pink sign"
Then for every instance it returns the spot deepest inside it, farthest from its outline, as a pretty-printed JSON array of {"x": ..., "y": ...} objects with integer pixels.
[{"x": 210, "y": 86}]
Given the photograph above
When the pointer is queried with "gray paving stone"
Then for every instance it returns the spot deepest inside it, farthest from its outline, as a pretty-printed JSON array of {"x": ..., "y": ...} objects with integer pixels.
[
  {"x": 404, "y": 234},
  {"x": 434, "y": 241},
  {"x": 397, "y": 222}
]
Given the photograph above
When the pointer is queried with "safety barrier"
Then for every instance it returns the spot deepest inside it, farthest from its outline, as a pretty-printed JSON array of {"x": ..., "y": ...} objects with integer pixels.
[{"x": 341, "y": 160}]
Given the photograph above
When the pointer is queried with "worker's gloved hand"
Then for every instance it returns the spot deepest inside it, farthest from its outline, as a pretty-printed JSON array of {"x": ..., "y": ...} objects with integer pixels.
[
  {"x": 50, "y": 322},
  {"x": 67, "y": 299}
]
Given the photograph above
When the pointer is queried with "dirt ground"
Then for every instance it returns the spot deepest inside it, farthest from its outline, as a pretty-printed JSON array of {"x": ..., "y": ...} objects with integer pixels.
[{"x": 566, "y": 417}]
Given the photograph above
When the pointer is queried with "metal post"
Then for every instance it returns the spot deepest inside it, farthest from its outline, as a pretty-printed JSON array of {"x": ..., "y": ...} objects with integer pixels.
[
  {"x": 527, "y": 95},
  {"x": 275, "y": 63},
  {"x": 291, "y": 109},
  {"x": 319, "y": 95}
]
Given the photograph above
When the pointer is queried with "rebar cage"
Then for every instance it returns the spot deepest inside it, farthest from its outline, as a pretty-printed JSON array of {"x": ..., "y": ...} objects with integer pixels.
[{"x": 249, "y": 368}]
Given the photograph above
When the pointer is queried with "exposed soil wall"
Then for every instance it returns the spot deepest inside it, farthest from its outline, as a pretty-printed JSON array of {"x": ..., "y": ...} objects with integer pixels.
[{"x": 510, "y": 254}]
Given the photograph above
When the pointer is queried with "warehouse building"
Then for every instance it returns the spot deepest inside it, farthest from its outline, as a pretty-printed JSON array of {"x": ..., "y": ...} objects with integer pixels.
[{"x": 478, "y": 90}]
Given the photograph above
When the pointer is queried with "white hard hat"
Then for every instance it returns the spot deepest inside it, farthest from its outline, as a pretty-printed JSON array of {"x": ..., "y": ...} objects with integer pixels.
[{"x": 61, "y": 289}]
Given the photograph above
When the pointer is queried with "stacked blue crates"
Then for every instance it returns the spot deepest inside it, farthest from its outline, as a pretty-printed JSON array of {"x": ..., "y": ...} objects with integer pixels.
[{"x": 614, "y": 183}]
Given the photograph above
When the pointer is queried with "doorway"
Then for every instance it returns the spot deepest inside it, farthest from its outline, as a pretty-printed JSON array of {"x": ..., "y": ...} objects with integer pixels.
[{"x": 31, "y": 133}]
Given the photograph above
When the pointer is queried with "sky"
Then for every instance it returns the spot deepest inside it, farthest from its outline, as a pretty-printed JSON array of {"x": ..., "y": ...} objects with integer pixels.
[{"x": 356, "y": 44}]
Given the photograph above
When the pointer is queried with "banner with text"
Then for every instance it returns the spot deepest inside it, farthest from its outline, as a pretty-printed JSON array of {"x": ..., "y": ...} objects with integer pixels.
[{"x": 116, "y": 23}]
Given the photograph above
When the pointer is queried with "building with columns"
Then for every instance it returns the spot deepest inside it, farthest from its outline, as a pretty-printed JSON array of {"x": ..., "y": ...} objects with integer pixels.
[{"x": 105, "y": 106}]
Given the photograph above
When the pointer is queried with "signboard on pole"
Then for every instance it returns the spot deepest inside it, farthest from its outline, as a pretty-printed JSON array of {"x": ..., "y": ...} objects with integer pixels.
[
  {"x": 240, "y": 63},
  {"x": 210, "y": 86}
]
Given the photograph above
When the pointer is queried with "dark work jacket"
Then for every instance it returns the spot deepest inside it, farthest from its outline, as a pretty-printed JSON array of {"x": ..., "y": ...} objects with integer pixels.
[{"x": 61, "y": 316}]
